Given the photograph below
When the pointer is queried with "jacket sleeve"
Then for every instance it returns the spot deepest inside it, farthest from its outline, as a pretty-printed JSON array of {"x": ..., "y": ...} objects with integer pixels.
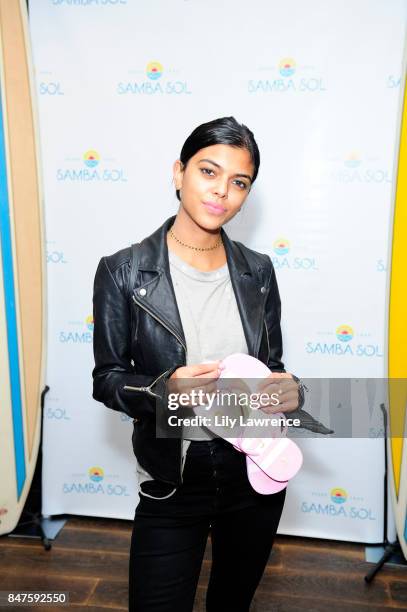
[
  {"x": 115, "y": 382},
  {"x": 272, "y": 320}
]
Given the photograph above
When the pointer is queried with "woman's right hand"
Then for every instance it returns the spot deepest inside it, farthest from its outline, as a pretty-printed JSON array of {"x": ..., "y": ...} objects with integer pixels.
[{"x": 199, "y": 376}]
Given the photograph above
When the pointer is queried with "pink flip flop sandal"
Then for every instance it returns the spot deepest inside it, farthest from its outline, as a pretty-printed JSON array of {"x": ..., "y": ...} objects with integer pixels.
[
  {"x": 259, "y": 480},
  {"x": 240, "y": 365},
  {"x": 271, "y": 462},
  {"x": 279, "y": 459}
]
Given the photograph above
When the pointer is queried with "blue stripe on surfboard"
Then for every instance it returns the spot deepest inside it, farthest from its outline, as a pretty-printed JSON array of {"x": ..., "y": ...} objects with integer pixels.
[{"x": 11, "y": 317}]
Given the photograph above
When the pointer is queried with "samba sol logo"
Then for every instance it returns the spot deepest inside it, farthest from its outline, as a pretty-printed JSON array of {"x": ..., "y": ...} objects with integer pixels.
[
  {"x": 338, "y": 495},
  {"x": 337, "y": 503},
  {"x": 54, "y": 254},
  {"x": 154, "y": 70},
  {"x": 95, "y": 482},
  {"x": 154, "y": 80},
  {"x": 79, "y": 333},
  {"x": 287, "y": 67},
  {"x": 344, "y": 333},
  {"x": 89, "y": 322},
  {"x": 281, "y": 246},
  {"x": 287, "y": 75},
  {"x": 50, "y": 85},
  {"x": 90, "y": 168},
  {"x": 354, "y": 168},
  {"x": 283, "y": 260},
  {"x": 393, "y": 81},
  {"x": 91, "y": 159},
  {"x": 344, "y": 341},
  {"x": 96, "y": 474}
]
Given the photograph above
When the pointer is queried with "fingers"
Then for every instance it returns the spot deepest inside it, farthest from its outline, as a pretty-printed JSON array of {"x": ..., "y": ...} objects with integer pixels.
[
  {"x": 206, "y": 385},
  {"x": 195, "y": 377},
  {"x": 282, "y": 385},
  {"x": 287, "y": 401},
  {"x": 204, "y": 369},
  {"x": 194, "y": 395},
  {"x": 201, "y": 375},
  {"x": 276, "y": 378},
  {"x": 282, "y": 382},
  {"x": 207, "y": 370},
  {"x": 211, "y": 374}
]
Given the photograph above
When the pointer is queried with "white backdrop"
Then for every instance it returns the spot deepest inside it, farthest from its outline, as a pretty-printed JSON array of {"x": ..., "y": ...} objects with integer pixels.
[{"x": 319, "y": 85}]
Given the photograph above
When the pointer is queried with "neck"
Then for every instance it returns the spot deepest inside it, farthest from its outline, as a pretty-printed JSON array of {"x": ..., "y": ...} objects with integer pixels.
[{"x": 189, "y": 232}]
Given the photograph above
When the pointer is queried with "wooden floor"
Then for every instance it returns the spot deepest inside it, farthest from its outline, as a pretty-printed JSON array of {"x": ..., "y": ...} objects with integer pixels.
[{"x": 89, "y": 558}]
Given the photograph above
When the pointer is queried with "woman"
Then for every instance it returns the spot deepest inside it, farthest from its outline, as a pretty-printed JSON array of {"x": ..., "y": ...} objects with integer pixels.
[{"x": 194, "y": 297}]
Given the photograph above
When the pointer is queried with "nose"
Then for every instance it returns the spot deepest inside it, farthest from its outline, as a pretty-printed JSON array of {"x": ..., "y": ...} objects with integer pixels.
[{"x": 221, "y": 188}]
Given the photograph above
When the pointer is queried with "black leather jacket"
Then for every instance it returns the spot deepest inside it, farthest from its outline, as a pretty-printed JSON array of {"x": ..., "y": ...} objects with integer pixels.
[{"x": 139, "y": 341}]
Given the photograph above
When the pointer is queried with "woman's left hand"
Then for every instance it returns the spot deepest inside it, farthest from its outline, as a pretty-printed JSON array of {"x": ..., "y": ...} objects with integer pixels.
[{"x": 283, "y": 385}]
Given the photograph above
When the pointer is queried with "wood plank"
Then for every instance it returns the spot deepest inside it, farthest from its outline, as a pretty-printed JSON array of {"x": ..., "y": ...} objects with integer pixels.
[
  {"x": 74, "y": 539},
  {"x": 286, "y": 603},
  {"x": 111, "y": 593},
  {"x": 398, "y": 591},
  {"x": 326, "y": 584},
  {"x": 90, "y": 564},
  {"x": 98, "y": 523},
  {"x": 303, "y": 557},
  {"x": 69, "y": 539},
  {"x": 318, "y": 543},
  {"x": 265, "y": 602}
]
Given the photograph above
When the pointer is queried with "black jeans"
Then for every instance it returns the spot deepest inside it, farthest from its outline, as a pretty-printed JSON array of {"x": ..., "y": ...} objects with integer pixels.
[{"x": 169, "y": 535}]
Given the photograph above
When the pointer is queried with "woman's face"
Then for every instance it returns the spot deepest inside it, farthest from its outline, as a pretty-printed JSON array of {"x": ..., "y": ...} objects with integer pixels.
[{"x": 214, "y": 184}]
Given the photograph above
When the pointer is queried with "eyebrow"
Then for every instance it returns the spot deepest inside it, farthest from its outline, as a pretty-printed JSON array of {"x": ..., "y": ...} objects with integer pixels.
[{"x": 219, "y": 166}]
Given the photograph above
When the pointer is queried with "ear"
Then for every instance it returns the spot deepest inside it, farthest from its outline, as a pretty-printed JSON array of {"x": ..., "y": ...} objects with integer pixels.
[{"x": 178, "y": 173}]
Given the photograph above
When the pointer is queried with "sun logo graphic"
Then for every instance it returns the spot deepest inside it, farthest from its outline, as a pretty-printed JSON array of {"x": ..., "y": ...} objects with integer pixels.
[
  {"x": 89, "y": 322},
  {"x": 287, "y": 66},
  {"x": 91, "y": 158},
  {"x": 281, "y": 246},
  {"x": 338, "y": 496},
  {"x": 344, "y": 333},
  {"x": 352, "y": 160},
  {"x": 154, "y": 70},
  {"x": 96, "y": 474}
]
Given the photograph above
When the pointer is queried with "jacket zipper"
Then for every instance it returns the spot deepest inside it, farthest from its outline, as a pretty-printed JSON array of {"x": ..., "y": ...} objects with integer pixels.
[
  {"x": 160, "y": 321},
  {"x": 147, "y": 389},
  {"x": 268, "y": 342}
]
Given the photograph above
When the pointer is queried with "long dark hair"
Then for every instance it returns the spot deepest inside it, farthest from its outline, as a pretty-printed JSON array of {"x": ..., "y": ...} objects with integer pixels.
[{"x": 225, "y": 130}]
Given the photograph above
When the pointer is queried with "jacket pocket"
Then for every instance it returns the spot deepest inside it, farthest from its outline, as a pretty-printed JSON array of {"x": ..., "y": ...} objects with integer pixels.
[{"x": 156, "y": 489}]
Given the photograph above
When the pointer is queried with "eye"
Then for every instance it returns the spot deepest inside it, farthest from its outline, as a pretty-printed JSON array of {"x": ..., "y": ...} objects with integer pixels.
[
  {"x": 240, "y": 184},
  {"x": 207, "y": 171}
]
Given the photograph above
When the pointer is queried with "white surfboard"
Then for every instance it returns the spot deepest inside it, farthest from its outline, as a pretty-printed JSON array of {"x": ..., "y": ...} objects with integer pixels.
[{"x": 22, "y": 267}]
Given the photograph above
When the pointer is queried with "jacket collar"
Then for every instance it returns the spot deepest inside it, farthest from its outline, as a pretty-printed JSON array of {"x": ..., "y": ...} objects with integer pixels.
[{"x": 160, "y": 298}]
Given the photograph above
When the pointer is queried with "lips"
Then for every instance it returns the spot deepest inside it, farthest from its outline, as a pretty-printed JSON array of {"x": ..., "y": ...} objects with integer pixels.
[{"x": 214, "y": 208}]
